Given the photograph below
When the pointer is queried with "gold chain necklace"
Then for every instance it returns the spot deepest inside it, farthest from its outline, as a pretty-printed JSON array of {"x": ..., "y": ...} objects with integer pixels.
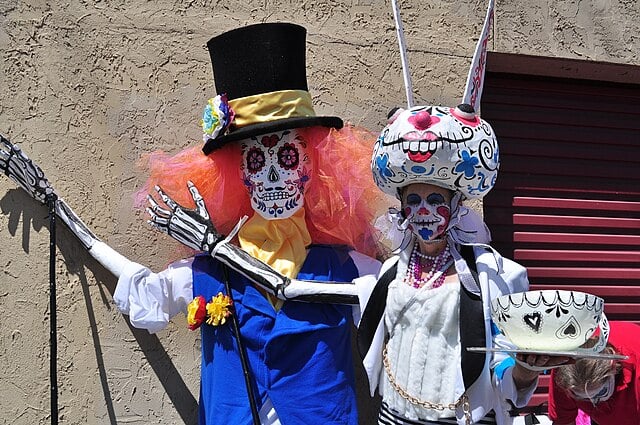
[{"x": 462, "y": 401}]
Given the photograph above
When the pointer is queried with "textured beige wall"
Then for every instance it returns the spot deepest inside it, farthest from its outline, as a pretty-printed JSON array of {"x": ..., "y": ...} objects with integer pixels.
[{"x": 87, "y": 87}]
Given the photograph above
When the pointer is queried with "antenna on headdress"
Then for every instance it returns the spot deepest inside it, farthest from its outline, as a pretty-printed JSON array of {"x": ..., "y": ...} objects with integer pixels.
[
  {"x": 403, "y": 54},
  {"x": 475, "y": 79}
]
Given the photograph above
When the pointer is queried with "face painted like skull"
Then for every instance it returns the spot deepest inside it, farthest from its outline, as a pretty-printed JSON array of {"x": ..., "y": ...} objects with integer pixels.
[
  {"x": 427, "y": 208},
  {"x": 275, "y": 170}
]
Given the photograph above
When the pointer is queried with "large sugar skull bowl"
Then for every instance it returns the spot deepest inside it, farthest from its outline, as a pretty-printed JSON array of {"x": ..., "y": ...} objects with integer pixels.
[{"x": 551, "y": 320}]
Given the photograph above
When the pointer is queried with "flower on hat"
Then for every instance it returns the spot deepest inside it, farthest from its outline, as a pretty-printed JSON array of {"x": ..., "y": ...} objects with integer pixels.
[
  {"x": 216, "y": 118},
  {"x": 467, "y": 165}
]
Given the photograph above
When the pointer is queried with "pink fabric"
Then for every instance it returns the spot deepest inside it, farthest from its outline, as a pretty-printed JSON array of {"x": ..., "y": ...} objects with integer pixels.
[{"x": 582, "y": 418}]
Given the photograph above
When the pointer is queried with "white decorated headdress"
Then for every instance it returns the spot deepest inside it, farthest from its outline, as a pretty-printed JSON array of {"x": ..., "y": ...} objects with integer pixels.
[{"x": 448, "y": 147}]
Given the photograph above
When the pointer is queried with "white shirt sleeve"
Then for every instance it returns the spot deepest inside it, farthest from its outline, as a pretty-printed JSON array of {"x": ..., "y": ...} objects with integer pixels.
[
  {"x": 372, "y": 361},
  {"x": 368, "y": 269},
  {"x": 366, "y": 265},
  {"x": 152, "y": 299}
]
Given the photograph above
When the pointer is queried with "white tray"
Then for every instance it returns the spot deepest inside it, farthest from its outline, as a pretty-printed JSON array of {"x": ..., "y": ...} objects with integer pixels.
[{"x": 576, "y": 354}]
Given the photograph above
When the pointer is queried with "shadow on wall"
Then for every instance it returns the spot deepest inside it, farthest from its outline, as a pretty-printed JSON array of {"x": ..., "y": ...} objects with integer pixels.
[
  {"x": 15, "y": 203},
  {"x": 34, "y": 215}
]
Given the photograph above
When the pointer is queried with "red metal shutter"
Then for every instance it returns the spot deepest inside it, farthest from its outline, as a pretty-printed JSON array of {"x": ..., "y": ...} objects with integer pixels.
[{"x": 567, "y": 200}]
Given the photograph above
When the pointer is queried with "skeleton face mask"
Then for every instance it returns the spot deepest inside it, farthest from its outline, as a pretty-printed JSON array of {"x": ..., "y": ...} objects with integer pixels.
[
  {"x": 275, "y": 170},
  {"x": 427, "y": 208}
]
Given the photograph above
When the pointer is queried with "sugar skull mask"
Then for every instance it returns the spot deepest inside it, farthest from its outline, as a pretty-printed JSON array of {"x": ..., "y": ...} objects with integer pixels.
[
  {"x": 427, "y": 210},
  {"x": 448, "y": 147},
  {"x": 275, "y": 170}
]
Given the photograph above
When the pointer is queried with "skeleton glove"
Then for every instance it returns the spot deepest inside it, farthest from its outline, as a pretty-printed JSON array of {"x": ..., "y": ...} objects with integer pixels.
[
  {"x": 190, "y": 227},
  {"x": 19, "y": 168}
]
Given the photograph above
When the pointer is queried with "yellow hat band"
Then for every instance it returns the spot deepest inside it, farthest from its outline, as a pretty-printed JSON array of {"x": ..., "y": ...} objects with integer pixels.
[{"x": 267, "y": 107}]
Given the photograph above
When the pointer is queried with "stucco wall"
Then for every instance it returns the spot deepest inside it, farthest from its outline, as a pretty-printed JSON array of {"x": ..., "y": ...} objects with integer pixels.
[{"x": 87, "y": 87}]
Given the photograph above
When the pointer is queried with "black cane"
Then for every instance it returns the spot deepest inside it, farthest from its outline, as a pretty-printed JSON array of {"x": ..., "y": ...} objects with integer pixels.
[
  {"x": 51, "y": 203},
  {"x": 243, "y": 354}
]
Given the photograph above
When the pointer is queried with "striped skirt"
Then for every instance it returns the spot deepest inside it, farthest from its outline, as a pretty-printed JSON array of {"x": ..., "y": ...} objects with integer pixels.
[{"x": 389, "y": 417}]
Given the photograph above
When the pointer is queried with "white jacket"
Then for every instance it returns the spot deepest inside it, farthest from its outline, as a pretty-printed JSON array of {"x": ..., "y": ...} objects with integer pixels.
[{"x": 497, "y": 276}]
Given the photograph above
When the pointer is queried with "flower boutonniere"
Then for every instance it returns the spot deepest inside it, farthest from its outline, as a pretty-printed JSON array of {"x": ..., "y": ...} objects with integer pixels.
[{"x": 214, "y": 312}]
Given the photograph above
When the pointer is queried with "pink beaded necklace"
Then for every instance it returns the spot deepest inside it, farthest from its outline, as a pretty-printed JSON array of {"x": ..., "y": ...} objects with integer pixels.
[{"x": 435, "y": 264}]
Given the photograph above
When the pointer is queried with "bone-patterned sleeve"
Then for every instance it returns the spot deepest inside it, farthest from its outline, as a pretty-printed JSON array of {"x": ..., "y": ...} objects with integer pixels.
[{"x": 281, "y": 286}]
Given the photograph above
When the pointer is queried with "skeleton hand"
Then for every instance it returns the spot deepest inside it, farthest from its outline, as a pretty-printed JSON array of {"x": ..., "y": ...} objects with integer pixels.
[
  {"x": 15, "y": 164},
  {"x": 194, "y": 229},
  {"x": 191, "y": 227}
]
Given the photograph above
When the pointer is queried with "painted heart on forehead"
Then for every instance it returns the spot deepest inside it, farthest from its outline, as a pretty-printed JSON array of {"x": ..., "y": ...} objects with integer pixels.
[
  {"x": 275, "y": 170},
  {"x": 448, "y": 147}
]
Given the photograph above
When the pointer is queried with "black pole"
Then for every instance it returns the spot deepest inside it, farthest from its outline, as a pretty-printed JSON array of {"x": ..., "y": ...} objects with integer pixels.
[
  {"x": 243, "y": 354},
  {"x": 53, "y": 339}
]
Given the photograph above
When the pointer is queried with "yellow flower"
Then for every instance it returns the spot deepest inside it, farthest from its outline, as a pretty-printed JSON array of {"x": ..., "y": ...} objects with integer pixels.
[{"x": 218, "y": 309}]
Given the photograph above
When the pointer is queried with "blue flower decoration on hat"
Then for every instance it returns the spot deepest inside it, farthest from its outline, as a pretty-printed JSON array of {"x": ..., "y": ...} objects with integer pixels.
[{"x": 216, "y": 118}]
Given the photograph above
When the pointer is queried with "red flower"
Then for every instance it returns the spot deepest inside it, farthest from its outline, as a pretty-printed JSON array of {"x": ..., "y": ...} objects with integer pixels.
[{"x": 196, "y": 312}]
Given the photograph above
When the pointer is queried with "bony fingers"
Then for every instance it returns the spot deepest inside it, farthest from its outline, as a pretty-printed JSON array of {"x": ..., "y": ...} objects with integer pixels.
[
  {"x": 160, "y": 222},
  {"x": 156, "y": 209},
  {"x": 152, "y": 213},
  {"x": 151, "y": 201},
  {"x": 162, "y": 195},
  {"x": 157, "y": 226},
  {"x": 195, "y": 194},
  {"x": 201, "y": 207},
  {"x": 5, "y": 142},
  {"x": 165, "y": 198}
]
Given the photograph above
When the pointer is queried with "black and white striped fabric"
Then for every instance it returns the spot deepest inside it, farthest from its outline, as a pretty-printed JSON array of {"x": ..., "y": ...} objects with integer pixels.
[{"x": 389, "y": 417}]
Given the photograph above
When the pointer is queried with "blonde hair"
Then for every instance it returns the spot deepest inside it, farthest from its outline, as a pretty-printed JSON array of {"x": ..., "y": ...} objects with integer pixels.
[{"x": 586, "y": 373}]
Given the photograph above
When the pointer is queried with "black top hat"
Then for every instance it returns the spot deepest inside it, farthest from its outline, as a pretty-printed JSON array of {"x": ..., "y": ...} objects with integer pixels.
[{"x": 262, "y": 70}]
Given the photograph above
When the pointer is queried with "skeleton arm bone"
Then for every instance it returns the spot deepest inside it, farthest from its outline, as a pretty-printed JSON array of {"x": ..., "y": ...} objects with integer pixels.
[
  {"x": 193, "y": 227},
  {"x": 103, "y": 253},
  {"x": 283, "y": 287},
  {"x": 29, "y": 176}
]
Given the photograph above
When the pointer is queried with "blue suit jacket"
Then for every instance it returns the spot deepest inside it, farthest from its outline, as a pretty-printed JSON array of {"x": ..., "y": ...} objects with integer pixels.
[{"x": 300, "y": 356}]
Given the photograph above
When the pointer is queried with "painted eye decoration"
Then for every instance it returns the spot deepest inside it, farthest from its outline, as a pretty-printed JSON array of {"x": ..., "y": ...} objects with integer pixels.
[
  {"x": 435, "y": 199},
  {"x": 288, "y": 157},
  {"x": 466, "y": 114},
  {"x": 413, "y": 199},
  {"x": 255, "y": 160}
]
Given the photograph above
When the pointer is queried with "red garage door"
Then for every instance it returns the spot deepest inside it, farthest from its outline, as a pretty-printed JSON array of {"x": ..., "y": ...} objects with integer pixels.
[{"x": 567, "y": 201}]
